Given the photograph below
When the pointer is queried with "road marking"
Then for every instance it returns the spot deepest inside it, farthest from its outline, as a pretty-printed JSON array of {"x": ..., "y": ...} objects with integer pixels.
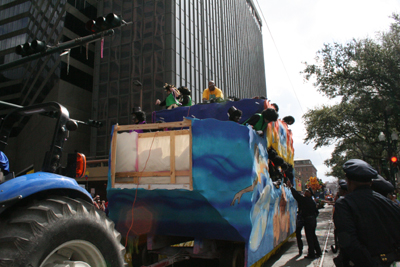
[{"x": 321, "y": 260}]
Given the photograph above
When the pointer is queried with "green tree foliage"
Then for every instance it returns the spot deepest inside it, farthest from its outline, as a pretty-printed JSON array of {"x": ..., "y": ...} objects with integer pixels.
[{"x": 364, "y": 76}]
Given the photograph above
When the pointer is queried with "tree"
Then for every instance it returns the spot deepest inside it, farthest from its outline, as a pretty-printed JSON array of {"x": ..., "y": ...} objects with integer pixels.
[{"x": 364, "y": 75}]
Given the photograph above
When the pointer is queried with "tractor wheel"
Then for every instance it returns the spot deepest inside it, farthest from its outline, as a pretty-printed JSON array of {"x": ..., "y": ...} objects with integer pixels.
[{"x": 59, "y": 231}]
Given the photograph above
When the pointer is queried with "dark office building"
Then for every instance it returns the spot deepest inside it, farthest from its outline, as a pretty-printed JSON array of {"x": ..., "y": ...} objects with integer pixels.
[
  {"x": 181, "y": 42},
  {"x": 67, "y": 80}
]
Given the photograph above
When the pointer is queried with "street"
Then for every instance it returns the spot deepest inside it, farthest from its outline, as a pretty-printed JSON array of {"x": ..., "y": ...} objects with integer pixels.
[{"x": 288, "y": 256}]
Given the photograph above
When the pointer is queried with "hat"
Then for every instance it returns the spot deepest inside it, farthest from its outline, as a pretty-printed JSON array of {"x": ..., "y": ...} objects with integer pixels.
[
  {"x": 381, "y": 185},
  {"x": 136, "y": 110},
  {"x": 358, "y": 170},
  {"x": 270, "y": 114},
  {"x": 272, "y": 153},
  {"x": 140, "y": 115},
  {"x": 310, "y": 190},
  {"x": 343, "y": 185},
  {"x": 168, "y": 86},
  {"x": 233, "y": 111},
  {"x": 289, "y": 120},
  {"x": 184, "y": 90}
]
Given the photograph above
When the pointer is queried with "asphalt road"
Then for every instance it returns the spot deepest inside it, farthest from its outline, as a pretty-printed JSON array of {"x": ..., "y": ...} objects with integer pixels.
[{"x": 288, "y": 256}]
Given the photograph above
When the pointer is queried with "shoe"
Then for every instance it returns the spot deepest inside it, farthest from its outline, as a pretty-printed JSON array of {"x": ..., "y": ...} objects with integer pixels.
[
  {"x": 300, "y": 253},
  {"x": 318, "y": 255},
  {"x": 312, "y": 257}
]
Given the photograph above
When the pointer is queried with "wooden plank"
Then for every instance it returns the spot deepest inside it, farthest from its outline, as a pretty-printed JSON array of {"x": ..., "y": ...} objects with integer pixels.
[
  {"x": 79, "y": 180},
  {"x": 150, "y": 174},
  {"x": 149, "y": 126},
  {"x": 190, "y": 159},
  {"x": 97, "y": 172},
  {"x": 172, "y": 157},
  {"x": 114, "y": 154},
  {"x": 95, "y": 161},
  {"x": 152, "y": 180},
  {"x": 154, "y": 186},
  {"x": 164, "y": 133}
]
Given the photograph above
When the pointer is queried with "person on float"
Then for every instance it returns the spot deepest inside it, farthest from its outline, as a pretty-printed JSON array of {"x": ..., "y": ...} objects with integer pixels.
[{"x": 171, "y": 101}]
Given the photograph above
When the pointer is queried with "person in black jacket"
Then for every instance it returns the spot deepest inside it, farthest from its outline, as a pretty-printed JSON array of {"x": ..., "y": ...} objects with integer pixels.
[
  {"x": 309, "y": 212},
  {"x": 299, "y": 227},
  {"x": 367, "y": 223}
]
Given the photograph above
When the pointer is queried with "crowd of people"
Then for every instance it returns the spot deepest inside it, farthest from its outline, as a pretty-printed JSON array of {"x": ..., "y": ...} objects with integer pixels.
[
  {"x": 366, "y": 217},
  {"x": 181, "y": 97},
  {"x": 100, "y": 204}
]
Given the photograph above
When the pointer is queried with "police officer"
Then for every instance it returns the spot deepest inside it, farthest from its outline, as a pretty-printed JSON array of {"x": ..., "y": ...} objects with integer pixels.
[
  {"x": 309, "y": 213},
  {"x": 367, "y": 223}
]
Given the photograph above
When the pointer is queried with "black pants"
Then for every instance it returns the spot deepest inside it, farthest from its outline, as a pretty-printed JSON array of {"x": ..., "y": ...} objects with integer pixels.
[
  {"x": 299, "y": 227},
  {"x": 310, "y": 224}
]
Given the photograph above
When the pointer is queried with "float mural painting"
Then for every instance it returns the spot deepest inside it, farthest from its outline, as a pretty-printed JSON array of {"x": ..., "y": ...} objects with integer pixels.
[{"x": 233, "y": 196}]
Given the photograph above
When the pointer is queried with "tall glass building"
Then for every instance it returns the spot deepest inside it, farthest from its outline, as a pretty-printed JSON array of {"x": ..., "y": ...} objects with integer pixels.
[{"x": 181, "y": 42}]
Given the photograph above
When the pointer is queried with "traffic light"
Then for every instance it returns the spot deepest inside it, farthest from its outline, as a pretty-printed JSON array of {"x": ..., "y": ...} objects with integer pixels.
[
  {"x": 94, "y": 123},
  {"x": 393, "y": 161},
  {"x": 31, "y": 48},
  {"x": 103, "y": 23}
]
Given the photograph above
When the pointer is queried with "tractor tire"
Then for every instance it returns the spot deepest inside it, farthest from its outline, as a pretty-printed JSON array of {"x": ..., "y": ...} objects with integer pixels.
[{"x": 58, "y": 231}]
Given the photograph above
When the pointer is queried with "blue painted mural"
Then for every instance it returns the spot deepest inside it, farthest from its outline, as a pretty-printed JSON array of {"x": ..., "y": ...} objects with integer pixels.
[{"x": 233, "y": 196}]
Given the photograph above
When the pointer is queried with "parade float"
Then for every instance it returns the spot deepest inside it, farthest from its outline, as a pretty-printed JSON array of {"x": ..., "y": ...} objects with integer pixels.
[{"x": 195, "y": 185}]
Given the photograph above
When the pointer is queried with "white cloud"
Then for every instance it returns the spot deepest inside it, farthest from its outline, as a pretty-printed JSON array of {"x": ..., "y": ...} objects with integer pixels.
[{"x": 299, "y": 29}]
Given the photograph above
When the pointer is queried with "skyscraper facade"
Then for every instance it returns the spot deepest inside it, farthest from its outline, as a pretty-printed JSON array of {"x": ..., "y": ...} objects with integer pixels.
[{"x": 180, "y": 42}]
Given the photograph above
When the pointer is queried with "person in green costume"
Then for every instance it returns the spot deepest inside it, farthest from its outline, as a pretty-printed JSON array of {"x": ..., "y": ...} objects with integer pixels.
[
  {"x": 259, "y": 121},
  {"x": 185, "y": 99},
  {"x": 170, "y": 101}
]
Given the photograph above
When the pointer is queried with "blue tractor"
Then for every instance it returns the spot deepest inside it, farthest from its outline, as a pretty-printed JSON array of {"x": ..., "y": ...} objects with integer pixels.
[{"x": 46, "y": 218}]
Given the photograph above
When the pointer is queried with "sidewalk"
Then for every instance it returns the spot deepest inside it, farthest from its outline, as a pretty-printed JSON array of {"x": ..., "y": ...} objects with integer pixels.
[{"x": 288, "y": 253}]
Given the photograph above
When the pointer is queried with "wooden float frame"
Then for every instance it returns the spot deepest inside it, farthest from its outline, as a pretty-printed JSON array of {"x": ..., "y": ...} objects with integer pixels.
[{"x": 136, "y": 177}]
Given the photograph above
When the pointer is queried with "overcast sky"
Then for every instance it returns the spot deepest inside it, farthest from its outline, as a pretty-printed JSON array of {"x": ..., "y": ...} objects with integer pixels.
[{"x": 299, "y": 29}]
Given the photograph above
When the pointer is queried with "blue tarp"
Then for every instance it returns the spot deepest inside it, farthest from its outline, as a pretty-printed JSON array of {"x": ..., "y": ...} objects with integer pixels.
[{"x": 217, "y": 111}]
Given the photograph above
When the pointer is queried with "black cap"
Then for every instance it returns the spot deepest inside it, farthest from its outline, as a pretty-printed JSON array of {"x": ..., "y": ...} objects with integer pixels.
[
  {"x": 343, "y": 185},
  {"x": 184, "y": 90},
  {"x": 310, "y": 190},
  {"x": 289, "y": 120},
  {"x": 275, "y": 106},
  {"x": 382, "y": 186},
  {"x": 358, "y": 170},
  {"x": 233, "y": 111},
  {"x": 270, "y": 114},
  {"x": 136, "y": 110},
  {"x": 140, "y": 115}
]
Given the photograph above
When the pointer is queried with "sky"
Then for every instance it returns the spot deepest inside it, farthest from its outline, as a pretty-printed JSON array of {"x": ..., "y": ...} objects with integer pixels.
[{"x": 293, "y": 32}]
